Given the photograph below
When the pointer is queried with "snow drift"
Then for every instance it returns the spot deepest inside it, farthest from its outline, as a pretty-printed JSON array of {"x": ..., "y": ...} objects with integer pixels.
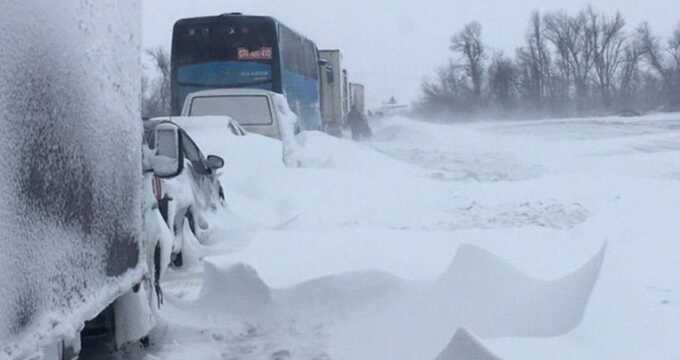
[
  {"x": 464, "y": 346},
  {"x": 395, "y": 318},
  {"x": 494, "y": 299},
  {"x": 235, "y": 289}
]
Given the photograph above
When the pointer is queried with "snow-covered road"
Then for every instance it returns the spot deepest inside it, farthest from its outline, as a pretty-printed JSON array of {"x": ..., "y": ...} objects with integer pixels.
[{"x": 346, "y": 257}]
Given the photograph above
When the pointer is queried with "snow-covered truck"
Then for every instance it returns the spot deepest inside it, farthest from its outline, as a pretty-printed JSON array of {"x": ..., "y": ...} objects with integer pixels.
[
  {"x": 358, "y": 97},
  {"x": 81, "y": 247},
  {"x": 256, "y": 111},
  {"x": 335, "y": 104}
]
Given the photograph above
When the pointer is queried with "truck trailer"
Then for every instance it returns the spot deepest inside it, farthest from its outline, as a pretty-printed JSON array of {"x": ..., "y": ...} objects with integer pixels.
[
  {"x": 81, "y": 247},
  {"x": 335, "y": 104}
]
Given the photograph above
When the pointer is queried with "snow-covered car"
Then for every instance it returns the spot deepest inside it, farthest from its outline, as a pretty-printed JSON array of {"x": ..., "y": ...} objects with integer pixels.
[
  {"x": 190, "y": 198},
  {"x": 254, "y": 109}
]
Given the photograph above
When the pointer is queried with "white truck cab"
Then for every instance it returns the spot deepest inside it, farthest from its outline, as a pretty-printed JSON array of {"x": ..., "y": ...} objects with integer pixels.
[{"x": 255, "y": 110}]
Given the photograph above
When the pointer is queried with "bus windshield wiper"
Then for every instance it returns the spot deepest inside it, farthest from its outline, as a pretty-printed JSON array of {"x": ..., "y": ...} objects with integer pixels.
[{"x": 237, "y": 85}]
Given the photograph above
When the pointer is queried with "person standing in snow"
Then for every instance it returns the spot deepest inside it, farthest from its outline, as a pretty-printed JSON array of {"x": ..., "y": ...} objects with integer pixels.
[{"x": 358, "y": 124}]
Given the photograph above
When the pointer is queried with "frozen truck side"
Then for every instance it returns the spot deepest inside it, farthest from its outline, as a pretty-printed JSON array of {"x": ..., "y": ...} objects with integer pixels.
[
  {"x": 334, "y": 107},
  {"x": 358, "y": 97},
  {"x": 78, "y": 244}
]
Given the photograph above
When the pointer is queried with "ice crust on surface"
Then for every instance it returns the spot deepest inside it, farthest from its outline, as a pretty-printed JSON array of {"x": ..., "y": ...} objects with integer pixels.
[{"x": 70, "y": 195}]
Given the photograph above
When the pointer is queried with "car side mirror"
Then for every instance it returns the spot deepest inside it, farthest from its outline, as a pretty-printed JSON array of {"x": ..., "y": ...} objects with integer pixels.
[
  {"x": 168, "y": 161},
  {"x": 214, "y": 162}
]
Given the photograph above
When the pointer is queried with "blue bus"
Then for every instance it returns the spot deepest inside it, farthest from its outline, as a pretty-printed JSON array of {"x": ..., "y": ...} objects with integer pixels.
[{"x": 240, "y": 51}]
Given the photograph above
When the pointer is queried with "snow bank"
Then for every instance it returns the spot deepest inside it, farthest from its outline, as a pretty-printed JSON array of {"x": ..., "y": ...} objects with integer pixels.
[
  {"x": 341, "y": 293},
  {"x": 288, "y": 123},
  {"x": 480, "y": 293},
  {"x": 261, "y": 189},
  {"x": 320, "y": 150},
  {"x": 238, "y": 290},
  {"x": 232, "y": 289},
  {"x": 369, "y": 309}
]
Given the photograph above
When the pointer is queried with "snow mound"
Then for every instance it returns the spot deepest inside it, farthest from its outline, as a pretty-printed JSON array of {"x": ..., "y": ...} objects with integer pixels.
[
  {"x": 320, "y": 150},
  {"x": 342, "y": 292},
  {"x": 464, "y": 346},
  {"x": 234, "y": 289},
  {"x": 496, "y": 300}
]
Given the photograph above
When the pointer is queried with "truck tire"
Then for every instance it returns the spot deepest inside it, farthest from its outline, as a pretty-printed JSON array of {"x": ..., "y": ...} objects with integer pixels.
[{"x": 63, "y": 350}]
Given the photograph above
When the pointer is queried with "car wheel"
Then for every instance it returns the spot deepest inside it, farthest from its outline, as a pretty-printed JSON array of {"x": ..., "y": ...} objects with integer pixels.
[
  {"x": 177, "y": 258},
  {"x": 192, "y": 222}
]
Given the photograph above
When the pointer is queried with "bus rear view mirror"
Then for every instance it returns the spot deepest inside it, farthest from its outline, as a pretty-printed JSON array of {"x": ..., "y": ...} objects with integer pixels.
[{"x": 168, "y": 161}]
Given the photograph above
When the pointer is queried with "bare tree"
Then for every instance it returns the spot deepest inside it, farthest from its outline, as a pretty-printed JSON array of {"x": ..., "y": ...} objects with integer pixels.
[
  {"x": 571, "y": 37},
  {"x": 503, "y": 75},
  {"x": 665, "y": 60},
  {"x": 674, "y": 52},
  {"x": 608, "y": 41},
  {"x": 628, "y": 77},
  {"x": 535, "y": 65},
  {"x": 569, "y": 64},
  {"x": 468, "y": 43},
  {"x": 157, "y": 91},
  {"x": 448, "y": 92}
]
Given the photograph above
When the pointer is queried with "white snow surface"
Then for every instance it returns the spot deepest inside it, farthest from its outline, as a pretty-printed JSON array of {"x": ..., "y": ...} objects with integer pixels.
[{"x": 512, "y": 240}]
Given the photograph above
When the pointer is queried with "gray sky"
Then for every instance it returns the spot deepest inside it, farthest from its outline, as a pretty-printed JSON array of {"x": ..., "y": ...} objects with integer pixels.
[{"x": 391, "y": 45}]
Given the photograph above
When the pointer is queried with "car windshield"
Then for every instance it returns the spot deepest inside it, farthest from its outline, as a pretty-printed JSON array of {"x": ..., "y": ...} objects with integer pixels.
[{"x": 246, "y": 110}]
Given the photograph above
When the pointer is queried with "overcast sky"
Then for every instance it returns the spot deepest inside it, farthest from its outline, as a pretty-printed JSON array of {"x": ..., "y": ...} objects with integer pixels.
[{"x": 391, "y": 45}]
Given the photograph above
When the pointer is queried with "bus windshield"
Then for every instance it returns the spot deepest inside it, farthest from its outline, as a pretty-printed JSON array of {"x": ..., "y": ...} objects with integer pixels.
[{"x": 223, "y": 54}]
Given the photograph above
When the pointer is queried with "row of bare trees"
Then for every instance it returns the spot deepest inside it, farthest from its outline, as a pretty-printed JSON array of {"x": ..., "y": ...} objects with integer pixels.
[
  {"x": 156, "y": 88},
  {"x": 587, "y": 63}
]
